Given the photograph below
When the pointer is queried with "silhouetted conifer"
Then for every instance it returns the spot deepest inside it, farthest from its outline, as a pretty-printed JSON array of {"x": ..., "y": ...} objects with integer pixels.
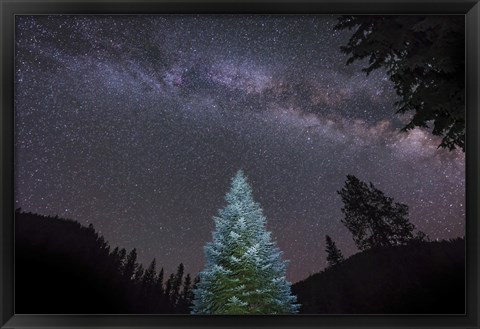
[
  {"x": 148, "y": 279},
  {"x": 374, "y": 219},
  {"x": 177, "y": 284},
  {"x": 139, "y": 274},
  {"x": 334, "y": 255},
  {"x": 130, "y": 265}
]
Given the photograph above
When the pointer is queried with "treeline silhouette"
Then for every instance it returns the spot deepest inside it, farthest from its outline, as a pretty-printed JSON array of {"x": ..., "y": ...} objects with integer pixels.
[
  {"x": 418, "y": 278},
  {"x": 64, "y": 267}
]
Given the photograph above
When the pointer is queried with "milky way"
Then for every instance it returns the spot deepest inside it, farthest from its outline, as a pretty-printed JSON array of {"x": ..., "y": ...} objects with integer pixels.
[{"x": 137, "y": 124}]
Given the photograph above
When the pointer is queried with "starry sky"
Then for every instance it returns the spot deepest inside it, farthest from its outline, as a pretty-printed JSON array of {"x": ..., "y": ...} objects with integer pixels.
[{"x": 136, "y": 124}]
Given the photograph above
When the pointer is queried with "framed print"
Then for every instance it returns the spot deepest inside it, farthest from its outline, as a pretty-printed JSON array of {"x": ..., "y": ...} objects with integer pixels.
[{"x": 228, "y": 164}]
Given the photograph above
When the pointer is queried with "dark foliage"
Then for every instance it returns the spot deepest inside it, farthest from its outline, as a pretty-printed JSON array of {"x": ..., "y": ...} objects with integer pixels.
[
  {"x": 425, "y": 59},
  {"x": 418, "y": 278},
  {"x": 334, "y": 255},
  {"x": 63, "y": 267},
  {"x": 373, "y": 218}
]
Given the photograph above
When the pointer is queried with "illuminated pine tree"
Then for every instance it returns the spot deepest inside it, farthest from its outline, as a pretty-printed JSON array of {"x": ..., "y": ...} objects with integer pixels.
[{"x": 244, "y": 272}]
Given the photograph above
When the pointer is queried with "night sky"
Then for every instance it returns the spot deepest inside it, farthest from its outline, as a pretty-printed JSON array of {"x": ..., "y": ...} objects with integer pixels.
[{"x": 137, "y": 124}]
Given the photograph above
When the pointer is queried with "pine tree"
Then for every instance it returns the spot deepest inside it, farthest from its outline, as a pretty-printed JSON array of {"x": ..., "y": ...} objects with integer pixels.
[
  {"x": 168, "y": 293},
  {"x": 176, "y": 285},
  {"x": 187, "y": 289},
  {"x": 159, "y": 282},
  {"x": 334, "y": 255},
  {"x": 244, "y": 272},
  {"x": 139, "y": 274},
  {"x": 130, "y": 265},
  {"x": 374, "y": 219},
  {"x": 158, "y": 292},
  {"x": 146, "y": 291},
  {"x": 185, "y": 298},
  {"x": 115, "y": 253},
  {"x": 148, "y": 279},
  {"x": 122, "y": 258}
]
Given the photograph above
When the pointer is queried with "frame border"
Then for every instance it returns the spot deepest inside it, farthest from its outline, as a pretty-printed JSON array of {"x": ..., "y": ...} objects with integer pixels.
[{"x": 10, "y": 8}]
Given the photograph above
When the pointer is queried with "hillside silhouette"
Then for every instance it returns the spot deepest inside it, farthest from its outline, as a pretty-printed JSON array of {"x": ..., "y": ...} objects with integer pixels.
[
  {"x": 418, "y": 278},
  {"x": 62, "y": 267}
]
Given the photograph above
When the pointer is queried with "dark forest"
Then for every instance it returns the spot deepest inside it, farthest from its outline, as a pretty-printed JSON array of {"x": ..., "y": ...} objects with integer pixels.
[{"x": 64, "y": 267}]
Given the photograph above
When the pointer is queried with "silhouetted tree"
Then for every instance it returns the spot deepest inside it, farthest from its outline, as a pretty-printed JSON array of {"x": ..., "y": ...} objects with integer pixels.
[
  {"x": 130, "y": 265},
  {"x": 196, "y": 281},
  {"x": 425, "y": 59},
  {"x": 122, "y": 254},
  {"x": 186, "y": 297},
  {"x": 334, "y": 255},
  {"x": 138, "y": 277},
  {"x": 114, "y": 264},
  {"x": 148, "y": 279},
  {"x": 176, "y": 285},
  {"x": 115, "y": 253},
  {"x": 187, "y": 288},
  {"x": 168, "y": 292},
  {"x": 159, "y": 282},
  {"x": 373, "y": 218}
]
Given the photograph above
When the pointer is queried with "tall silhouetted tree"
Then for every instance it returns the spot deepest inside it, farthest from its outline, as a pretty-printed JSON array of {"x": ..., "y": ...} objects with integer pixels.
[
  {"x": 176, "y": 285},
  {"x": 425, "y": 59},
  {"x": 159, "y": 281},
  {"x": 148, "y": 279},
  {"x": 168, "y": 292},
  {"x": 115, "y": 253},
  {"x": 139, "y": 274},
  {"x": 122, "y": 254},
  {"x": 130, "y": 265},
  {"x": 244, "y": 273},
  {"x": 373, "y": 218},
  {"x": 186, "y": 297},
  {"x": 334, "y": 255},
  {"x": 187, "y": 288}
]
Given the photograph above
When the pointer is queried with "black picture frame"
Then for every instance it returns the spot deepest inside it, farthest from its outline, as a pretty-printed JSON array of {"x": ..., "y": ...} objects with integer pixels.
[{"x": 10, "y": 8}]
